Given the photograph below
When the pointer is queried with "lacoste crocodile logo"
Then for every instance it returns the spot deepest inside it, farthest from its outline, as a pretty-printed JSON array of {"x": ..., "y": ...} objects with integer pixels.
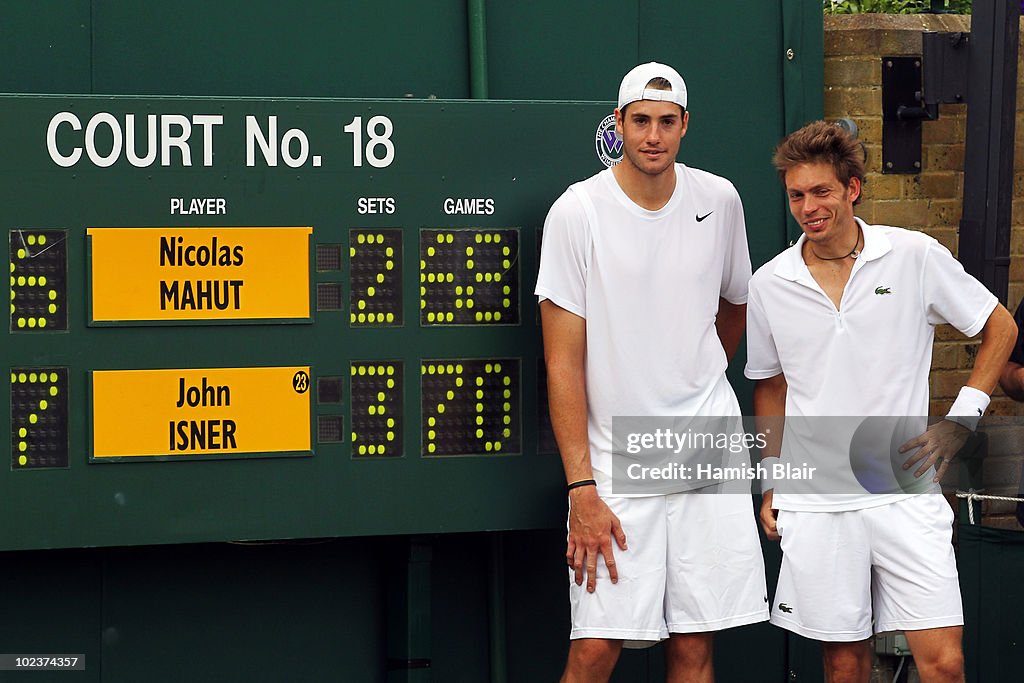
[
  {"x": 883, "y": 290},
  {"x": 783, "y": 607}
]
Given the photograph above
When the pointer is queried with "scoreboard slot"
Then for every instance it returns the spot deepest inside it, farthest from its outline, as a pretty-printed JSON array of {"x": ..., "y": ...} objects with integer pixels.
[
  {"x": 39, "y": 418},
  {"x": 469, "y": 277},
  {"x": 470, "y": 406},
  {"x": 39, "y": 292},
  {"x": 377, "y": 395},
  {"x": 375, "y": 274}
]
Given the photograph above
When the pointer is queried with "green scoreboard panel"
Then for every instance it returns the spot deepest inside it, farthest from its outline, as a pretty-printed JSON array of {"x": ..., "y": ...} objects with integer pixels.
[{"x": 259, "y": 319}]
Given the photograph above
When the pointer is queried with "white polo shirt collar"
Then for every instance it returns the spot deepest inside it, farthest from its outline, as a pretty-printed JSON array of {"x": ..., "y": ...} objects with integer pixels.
[{"x": 792, "y": 267}]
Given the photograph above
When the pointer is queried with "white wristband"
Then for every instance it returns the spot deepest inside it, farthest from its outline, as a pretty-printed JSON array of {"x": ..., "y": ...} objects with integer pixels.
[
  {"x": 767, "y": 482},
  {"x": 969, "y": 406}
]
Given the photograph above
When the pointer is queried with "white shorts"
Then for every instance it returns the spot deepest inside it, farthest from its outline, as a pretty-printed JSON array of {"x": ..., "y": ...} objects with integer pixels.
[
  {"x": 694, "y": 564},
  {"x": 894, "y": 561}
]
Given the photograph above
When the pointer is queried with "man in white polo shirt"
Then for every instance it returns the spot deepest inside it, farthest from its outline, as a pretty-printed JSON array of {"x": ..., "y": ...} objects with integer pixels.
[
  {"x": 841, "y": 324},
  {"x": 642, "y": 283}
]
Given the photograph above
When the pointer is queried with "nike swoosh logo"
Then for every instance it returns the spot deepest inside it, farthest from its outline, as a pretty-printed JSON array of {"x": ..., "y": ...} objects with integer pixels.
[{"x": 700, "y": 218}]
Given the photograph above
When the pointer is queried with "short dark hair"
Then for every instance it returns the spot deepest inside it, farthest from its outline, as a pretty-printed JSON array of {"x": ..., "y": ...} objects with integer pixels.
[{"x": 821, "y": 142}]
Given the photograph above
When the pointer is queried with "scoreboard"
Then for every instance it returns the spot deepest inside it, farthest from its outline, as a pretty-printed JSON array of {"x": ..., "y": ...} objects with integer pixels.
[{"x": 258, "y": 319}]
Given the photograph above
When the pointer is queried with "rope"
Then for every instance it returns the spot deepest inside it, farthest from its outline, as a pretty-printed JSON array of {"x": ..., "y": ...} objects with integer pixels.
[
  {"x": 899, "y": 669},
  {"x": 972, "y": 496}
]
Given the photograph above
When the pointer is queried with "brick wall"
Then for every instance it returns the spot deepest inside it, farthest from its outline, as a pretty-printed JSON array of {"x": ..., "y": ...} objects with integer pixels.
[{"x": 930, "y": 201}]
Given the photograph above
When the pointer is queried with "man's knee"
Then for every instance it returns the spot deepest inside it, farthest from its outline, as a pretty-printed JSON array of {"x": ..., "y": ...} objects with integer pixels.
[
  {"x": 946, "y": 666},
  {"x": 595, "y": 649},
  {"x": 938, "y": 654},
  {"x": 689, "y": 650},
  {"x": 591, "y": 659},
  {"x": 847, "y": 662}
]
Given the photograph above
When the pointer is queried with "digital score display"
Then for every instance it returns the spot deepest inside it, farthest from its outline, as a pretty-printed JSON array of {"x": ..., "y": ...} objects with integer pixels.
[
  {"x": 377, "y": 395},
  {"x": 153, "y": 275},
  {"x": 213, "y": 412},
  {"x": 470, "y": 406},
  {"x": 375, "y": 277},
  {"x": 469, "y": 277},
  {"x": 39, "y": 418},
  {"x": 38, "y": 280}
]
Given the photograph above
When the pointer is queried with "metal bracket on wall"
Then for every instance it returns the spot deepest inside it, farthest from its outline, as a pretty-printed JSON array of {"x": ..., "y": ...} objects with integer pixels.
[
  {"x": 912, "y": 88},
  {"x": 901, "y": 137}
]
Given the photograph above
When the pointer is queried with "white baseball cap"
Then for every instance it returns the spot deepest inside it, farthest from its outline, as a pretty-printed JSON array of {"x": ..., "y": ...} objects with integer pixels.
[{"x": 634, "y": 85}]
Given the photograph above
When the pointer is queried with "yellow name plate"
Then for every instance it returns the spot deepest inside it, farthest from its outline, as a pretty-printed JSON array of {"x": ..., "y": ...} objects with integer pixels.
[
  {"x": 215, "y": 411},
  {"x": 201, "y": 274}
]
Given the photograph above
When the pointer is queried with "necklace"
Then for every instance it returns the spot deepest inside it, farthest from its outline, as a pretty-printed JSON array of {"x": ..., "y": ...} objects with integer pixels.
[{"x": 854, "y": 253}]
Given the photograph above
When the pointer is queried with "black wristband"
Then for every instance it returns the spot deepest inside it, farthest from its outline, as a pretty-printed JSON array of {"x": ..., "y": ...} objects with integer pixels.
[{"x": 581, "y": 482}]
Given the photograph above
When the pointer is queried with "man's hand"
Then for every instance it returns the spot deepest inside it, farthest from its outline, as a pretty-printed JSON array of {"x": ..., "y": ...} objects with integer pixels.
[
  {"x": 591, "y": 528},
  {"x": 938, "y": 444},
  {"x": 768, "y": 516}
]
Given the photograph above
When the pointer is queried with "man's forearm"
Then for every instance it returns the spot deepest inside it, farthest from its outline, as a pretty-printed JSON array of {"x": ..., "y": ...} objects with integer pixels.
[
  {"x": 997, "y": 340},
  {"x": 565, "y": 344},
  {"x": 729, "y": 324},
  {"x": 567, "y": 403},
  {"x": 770, "y": 411}
]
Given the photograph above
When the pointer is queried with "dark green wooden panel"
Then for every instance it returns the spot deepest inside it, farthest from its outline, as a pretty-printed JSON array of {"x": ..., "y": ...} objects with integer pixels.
[
  {"x": 52, "y": 604},
  {"x": 46, "y": 46},
  {"x": 264, "y": 613},
  {"x": 315, "y": 48},
  {"x": 990, "y": 562},
  {"x": 804, "y": 69},
  {"x": 459, "y": 608},
  {"x": 574, "y": 50},
  {"x": 536, "y": 604},
  {"x": 803, "y": 73}
]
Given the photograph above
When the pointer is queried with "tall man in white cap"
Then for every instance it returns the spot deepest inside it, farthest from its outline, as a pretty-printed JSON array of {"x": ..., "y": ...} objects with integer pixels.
[
  {"x": 643, "y": 284},
  {"x": 841, "y": 324}
]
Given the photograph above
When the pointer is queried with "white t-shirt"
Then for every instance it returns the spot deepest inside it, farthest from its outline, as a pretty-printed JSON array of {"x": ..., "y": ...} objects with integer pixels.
[
  {"x": 648, "y": 284},
  {"x": 870, "y": 358}
]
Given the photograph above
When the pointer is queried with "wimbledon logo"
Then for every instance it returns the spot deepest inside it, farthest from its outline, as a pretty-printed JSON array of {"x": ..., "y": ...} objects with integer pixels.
[{"x": 608, "y": 144}]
